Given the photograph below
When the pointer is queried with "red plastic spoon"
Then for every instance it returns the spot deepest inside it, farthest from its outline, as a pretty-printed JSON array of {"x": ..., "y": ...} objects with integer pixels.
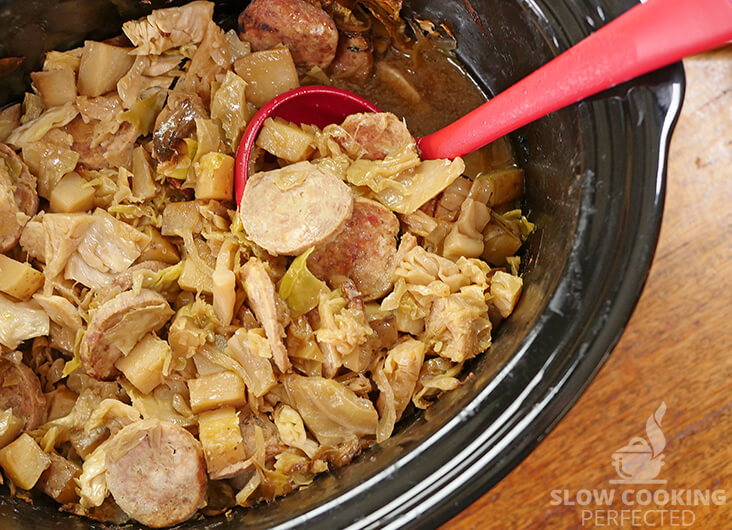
[{"x": 647, "y": 37}]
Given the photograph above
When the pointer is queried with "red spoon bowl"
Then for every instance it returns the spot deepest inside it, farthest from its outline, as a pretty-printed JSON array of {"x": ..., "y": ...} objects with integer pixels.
[{"x": 313, "y": 105}]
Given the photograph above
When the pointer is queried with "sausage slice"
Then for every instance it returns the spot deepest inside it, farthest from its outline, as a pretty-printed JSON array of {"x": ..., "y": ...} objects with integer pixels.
[
  {"x": 117, "y": 326},
  {"x": 288, "y": 210},
  {"x": 156, "y": 472},
  {"x": 374, "y": 135},
  {"x": 21, "y": 390},
  {"x": 17, "y": 196},
  {"x": 308, "y": 31},
  {"x": 364, "y": 251}
]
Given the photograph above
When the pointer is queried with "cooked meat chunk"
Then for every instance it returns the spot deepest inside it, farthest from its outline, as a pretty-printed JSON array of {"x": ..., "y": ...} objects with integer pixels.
[
  {"x": 156, "y": 472},
  {"x": 288, "y": 210},
  {"x": 268, "y": 308},
  {"x": 364, "y": 251},
  {"x": 114, "y": 151},
  {"x": 21, "y": 391},
  {"x": 308, "y": 31},
  {"x": 18, "y": 197},
  {"x": 354, "y": 59},
  {"x": 374, "y": 135},
  {"x": 176, "y": 122},
  {"x": 117, "y": 326}
]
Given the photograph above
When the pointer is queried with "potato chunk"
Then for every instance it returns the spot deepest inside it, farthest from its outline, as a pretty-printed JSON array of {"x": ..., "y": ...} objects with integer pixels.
[
  {"x": 500, "y": 187},
  {"x": 159, "y": 249},
  {"x": 268, "y": 73},
  {"x": 215, "y": 177},
  {"x": 101, "y": 67},
  {"x": 23, "y": 461},
  {"x": 17, "y": 279},
  {"x": 55, "y": 87},
  {"x": 505, "y": 292},
  {"x": 223, "y": 446},
  {"x": 285, "y": 140},
  {"x": 143, "y": 366},
  {"x": 71, "y": 194},
  {"x": 216, "y": 390},
  {"x": 195, "y": 278}
]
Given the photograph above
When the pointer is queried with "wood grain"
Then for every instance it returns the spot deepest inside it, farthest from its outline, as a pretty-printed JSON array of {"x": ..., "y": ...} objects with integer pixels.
[{"x": 677, "y": 348}]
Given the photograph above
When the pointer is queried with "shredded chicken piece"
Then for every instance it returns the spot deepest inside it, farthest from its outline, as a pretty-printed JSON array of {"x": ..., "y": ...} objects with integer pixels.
[{"x": 269, "y": 309}]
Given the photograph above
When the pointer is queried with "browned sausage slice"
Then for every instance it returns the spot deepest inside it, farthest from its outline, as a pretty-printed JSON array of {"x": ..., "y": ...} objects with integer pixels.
[
  {"x": 354, "y": 58},
  {"x": 374, "y": 135},
  {"x": 21, "y": 390},
  {"x": 156, "y": 472},
  {"x": 308, "y": 31},
  {"x": 117, "y": 325},
  {"x": 288, "y": 210},
  {"x": 363, "y": 251},
  {"x": 17, "y": 196}
]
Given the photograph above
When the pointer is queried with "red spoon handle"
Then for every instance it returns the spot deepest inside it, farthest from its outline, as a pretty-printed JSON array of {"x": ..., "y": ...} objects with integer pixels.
[{"x": 645, "y": 38}]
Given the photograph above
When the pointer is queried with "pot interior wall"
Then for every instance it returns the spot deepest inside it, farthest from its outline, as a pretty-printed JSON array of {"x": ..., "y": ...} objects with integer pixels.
[{"x": 510, "y": 41}]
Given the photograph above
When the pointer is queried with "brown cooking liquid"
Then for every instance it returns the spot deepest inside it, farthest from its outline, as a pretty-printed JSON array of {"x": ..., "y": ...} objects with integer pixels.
[{"x": 445, "y": 92}]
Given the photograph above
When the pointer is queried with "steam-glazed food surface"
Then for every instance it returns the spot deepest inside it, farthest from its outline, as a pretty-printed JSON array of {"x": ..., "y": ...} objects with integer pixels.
[{"x": 167, "y": 354}]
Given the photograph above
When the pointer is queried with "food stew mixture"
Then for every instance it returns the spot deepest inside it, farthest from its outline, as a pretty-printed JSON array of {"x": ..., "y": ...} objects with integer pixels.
[{"x": 165, "y": 355}]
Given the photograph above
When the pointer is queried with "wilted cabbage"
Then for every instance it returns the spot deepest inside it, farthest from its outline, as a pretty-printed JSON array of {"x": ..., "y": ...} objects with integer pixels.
[
  {"x": 331, "y": 411},
  {"x": 299, "y": 287},
  {"x": 21, "y": 321},
  {"x": 169, "y": 28},
  {"x": 36, "y": 129},
  {"x": 229, "y": 105}
]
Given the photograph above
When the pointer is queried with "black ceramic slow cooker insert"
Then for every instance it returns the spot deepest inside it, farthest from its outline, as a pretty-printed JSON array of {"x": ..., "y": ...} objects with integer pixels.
[{"x": 595, "y": 180}]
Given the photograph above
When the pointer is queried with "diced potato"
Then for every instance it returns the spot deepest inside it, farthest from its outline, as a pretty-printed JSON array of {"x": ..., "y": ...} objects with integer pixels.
[
  {"x": 285, "y": 140},
  {"x": 505, "y": 292},
  {"x": 181, "y": 218},
  {"x": 498, "y": 244},
  {"x": 58, "y": 480},
  {"x": 55, "y": 87},
  {"x": 215, "y": 177},
  {"x": 216, "y": 390},
  {"x": 143, "y": 366},
  {"x": 195, "y": 278},
  {"x": 17, "y": 279},
  {"x": 159, "y": 249},
  {"x": 102, "y": 65},
  {"x": 10, "y": 427},
  {"x": 23, "y": 461},
  {"x": 143, "y": 185},
  {"x": 71, "y": 194},
  {"x": 60, "y": 402},
  {"x": 268, "y": 73},
  {"x": 500, "y": 187},
  {"x": 223, "y": 446}
]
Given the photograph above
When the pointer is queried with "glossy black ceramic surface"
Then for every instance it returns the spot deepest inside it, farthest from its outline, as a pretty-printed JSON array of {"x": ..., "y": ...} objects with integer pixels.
[{"x": 595, "y": 188}]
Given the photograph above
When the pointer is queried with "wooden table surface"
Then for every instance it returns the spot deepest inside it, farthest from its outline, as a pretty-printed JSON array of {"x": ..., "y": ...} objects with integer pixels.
[{"x": 676, "y": 349}]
